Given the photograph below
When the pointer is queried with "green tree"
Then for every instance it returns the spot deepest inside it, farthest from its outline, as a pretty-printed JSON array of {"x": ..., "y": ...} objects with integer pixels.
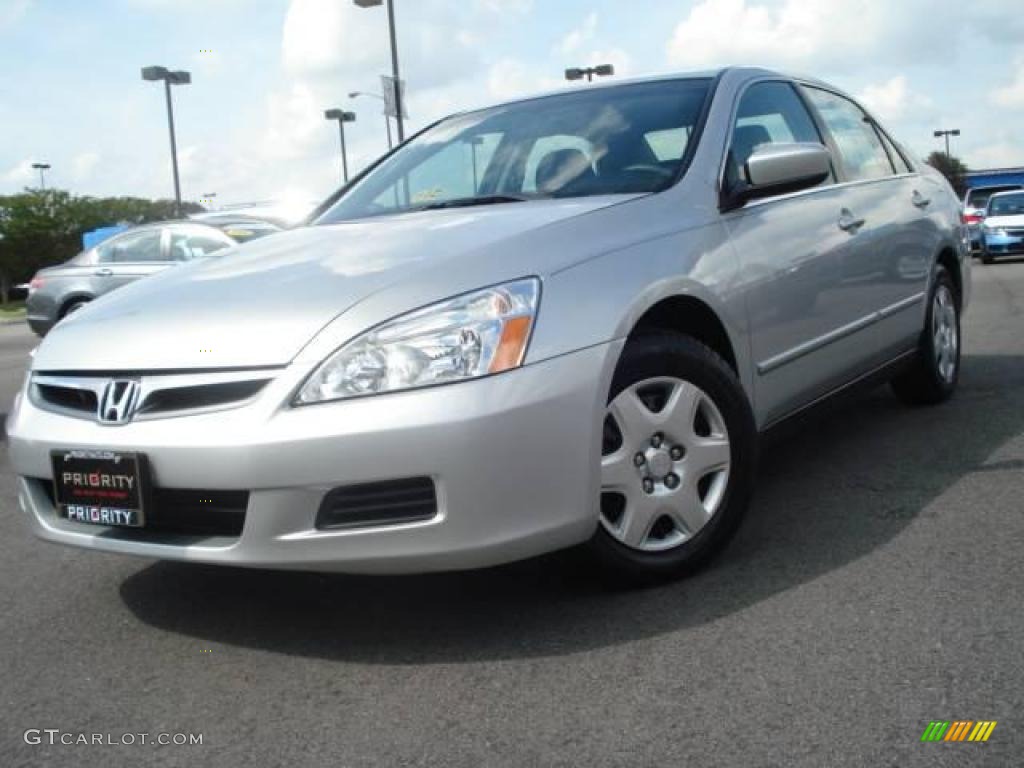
[
  {"x": 41, "y": 228},
  {"x": 951, "y": 167}
]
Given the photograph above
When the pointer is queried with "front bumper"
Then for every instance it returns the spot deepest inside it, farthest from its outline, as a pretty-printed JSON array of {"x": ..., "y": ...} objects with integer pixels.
[
  {"x": 514, "y": 459},
  {"x": 1003, "y": 245}
]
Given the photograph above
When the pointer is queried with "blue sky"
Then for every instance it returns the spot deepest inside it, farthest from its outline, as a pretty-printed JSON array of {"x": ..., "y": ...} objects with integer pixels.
[{"x": 251, "y": 127}]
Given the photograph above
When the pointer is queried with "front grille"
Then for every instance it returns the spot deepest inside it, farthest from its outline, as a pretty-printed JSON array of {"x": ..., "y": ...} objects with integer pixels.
[
  {"x": 67, "y": 398},
  {"x": 194, "y": 398},
  {"x": 159, "y": 394},
  {"x": 184, "y": 511},
  {"x": 1015, "y": 232},
  {"x": 387, "y": 503}
]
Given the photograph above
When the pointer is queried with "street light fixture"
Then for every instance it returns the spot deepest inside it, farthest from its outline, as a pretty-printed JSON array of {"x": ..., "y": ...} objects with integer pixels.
[
  {"x": 578, "y": 73},
  {"x": 387, "y": 120},
  {"x": 176, "y": 77},
  {"x": 399, "y": 111},
  {"x": 42, "y": 168},
  {"x": 342, "y": 117},
  {"x": 947, "y": 134}
]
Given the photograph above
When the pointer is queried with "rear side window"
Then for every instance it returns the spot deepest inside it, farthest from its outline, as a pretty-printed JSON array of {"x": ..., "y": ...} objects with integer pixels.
[
  {"x": 769, "y": 113},
  {"x": 863, "y": 155},
  {"x": 902, "y": 166},
  {"x": 132, "y": 247}
]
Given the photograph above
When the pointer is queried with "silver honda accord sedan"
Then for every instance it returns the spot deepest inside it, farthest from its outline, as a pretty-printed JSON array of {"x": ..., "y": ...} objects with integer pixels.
[{"x": 558, "y": 321}]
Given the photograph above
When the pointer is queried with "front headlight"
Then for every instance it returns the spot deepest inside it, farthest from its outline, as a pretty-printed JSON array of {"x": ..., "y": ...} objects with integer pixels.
[{"x": 472, "y": 335}]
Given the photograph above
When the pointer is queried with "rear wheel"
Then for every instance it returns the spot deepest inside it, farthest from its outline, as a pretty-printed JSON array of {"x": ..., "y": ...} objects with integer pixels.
[
  {"x": 678, "y": 456},
  {"x": 936, "y": 368},
  {"x": 73, "y": 307}
]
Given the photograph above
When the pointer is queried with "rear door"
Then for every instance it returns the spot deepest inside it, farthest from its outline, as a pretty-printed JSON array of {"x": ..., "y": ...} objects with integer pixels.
[
  {"x": 128, "y": 257},
  {"x": 884, "y": 276}
]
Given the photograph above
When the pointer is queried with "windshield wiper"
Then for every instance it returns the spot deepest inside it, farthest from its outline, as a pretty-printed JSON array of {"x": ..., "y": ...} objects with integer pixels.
[{"x": 466, "y": 202}]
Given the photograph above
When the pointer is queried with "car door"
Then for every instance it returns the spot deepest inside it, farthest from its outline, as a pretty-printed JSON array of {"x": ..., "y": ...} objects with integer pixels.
[
  {"x": 126, "y": 258},
  {"x": 884, "y": 276},
  {"x": 792, "y": 249}
]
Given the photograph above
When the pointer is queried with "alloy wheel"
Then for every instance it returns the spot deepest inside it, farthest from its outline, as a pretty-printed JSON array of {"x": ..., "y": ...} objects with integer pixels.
[{"x": 945, "y": 333}]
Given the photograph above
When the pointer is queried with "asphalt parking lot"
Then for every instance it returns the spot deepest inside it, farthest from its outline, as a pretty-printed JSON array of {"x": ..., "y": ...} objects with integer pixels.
[{"x": 877, "y": 585}]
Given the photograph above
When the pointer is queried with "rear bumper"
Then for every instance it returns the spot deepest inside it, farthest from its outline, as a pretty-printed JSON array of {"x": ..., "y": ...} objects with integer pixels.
[{"x": 513, "y": 458}]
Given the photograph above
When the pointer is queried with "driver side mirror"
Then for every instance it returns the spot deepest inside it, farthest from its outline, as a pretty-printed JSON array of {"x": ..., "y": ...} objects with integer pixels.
[{"x": 778, "y": 169}]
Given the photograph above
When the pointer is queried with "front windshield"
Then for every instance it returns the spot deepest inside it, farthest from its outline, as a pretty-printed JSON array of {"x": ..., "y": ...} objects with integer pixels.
[
  {"x": 1006, "y": 205},
  {"x": 599, "y": 141}
]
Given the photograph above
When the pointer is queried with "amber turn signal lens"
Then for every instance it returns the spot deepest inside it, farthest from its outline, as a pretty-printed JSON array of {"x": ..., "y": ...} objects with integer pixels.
[{"x": 512, "y": 346}]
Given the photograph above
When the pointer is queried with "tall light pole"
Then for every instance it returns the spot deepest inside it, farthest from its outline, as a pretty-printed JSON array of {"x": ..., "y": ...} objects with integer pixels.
[
  {"x": 42, "y": 168},
  {"x": 387, "y": 120},
  {"x": 399, "y": 112},
  {"x": 342, "y": 117},
  {"x": 178, "y": 77},
  {"x": 947, "y": 134},
  {"x": 578, "y": 73}
]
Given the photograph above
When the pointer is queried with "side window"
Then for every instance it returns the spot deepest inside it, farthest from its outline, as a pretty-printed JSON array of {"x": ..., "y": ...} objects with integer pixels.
[
  {"x": 186, "y": 246},
  {"x": 769, "y": 113},
  {"x": 902, "y": 166},
  {"x": 133, "y": 247},
  {"x": 862, "y": 152}
]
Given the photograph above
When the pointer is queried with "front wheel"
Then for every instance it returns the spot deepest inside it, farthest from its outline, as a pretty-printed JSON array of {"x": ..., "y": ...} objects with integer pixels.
[{"x": 678, "y": 459}]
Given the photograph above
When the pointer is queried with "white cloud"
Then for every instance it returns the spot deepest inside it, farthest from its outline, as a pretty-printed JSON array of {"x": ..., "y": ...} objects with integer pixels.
[
  {"x": 21, "y": 175},
  {"x": 83, "y": 165},
  {"x": 1012, "y": 95},
  {"x": 892, "y": 99},
  {"x": 583, "y": 34},
  {"x": 506, "y": 6},
  {"x": 12, "y": 11},
  {"x": 798, "y": 32},
  {"x": 1004, "y": 153}
]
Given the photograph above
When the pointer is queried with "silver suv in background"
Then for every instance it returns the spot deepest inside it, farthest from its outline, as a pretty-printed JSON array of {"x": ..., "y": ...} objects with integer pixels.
[
  {"x": 55, "y": 292},
  {"x": 563, "y": 320}
]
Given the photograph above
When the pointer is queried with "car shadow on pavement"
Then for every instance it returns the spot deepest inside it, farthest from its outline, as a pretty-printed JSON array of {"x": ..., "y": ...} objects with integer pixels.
[{"x": 848, "y": 483}]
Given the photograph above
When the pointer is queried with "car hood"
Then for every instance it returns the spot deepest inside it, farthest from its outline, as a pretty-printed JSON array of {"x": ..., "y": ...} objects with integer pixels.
[
  {"x": 259, "y": 304},
  {"x": 1005, "y": 221}
]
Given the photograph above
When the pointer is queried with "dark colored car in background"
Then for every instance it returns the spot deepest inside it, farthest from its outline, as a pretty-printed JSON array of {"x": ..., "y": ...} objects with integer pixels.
[{"x": 55, "y": 292}]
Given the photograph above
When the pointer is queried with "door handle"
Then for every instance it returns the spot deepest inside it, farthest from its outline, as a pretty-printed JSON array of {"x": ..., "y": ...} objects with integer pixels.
[
  {"x": 920, "y": 200},
  {"x": 848, "y": 222},
  {"x": 105, "y": 272}
]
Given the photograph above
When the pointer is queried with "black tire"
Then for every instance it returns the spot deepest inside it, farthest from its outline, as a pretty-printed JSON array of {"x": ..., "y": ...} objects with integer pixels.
[
  {"x": 986, "y": 258},
  {"x": 922, "y": 383},
  {"x": 73, "y": 307},
  {"x": 665, "y": 354}
]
